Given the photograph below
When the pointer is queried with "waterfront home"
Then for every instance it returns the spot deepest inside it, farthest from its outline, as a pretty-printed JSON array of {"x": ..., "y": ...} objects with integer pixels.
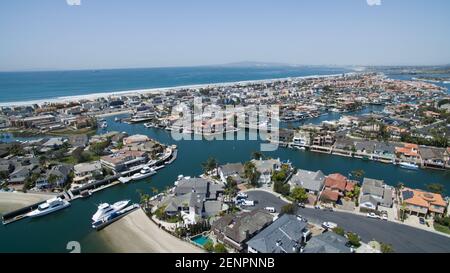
[
  {"x": 327, "y": 242},
  {"x": 234, "y": 170},
  {"x": 52, "y": 143},
  {"x": 302, "y": 138},
  {"x": 408, "y": 152},
  {"x": 266, "y": 169},
  {"x": 84, "y": 172},
  {"x": 194, "y": 198},
  {"x": 433, "y": 157},
  {"x": 33, "y": 122},
  {"x": 123, "y": 160},
  {"x": 284, "y": 235},
  {"x": 56, "y": 176},
  {"x": 375, "y": 193},
  {"x": 336, "y": 185},
  {"x": 312, "y": 182},
  {"x": 19, "y": 175},
  {"x": 235, "y": 230},
  {"x": 135, "y": 139},
  {"x": 421, "y": 203},
  {"x": 78, "y": 140}
]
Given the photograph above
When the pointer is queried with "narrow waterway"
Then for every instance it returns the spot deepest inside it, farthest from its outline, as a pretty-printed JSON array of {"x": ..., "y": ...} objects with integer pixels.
[{"x": 52, "y": 232}]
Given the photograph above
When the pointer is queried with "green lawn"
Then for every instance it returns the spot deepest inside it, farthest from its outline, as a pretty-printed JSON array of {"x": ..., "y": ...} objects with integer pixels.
[{"x": 442, "y": 228}]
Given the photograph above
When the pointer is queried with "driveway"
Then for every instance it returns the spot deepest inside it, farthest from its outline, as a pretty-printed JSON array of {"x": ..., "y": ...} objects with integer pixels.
[
  {"x": 403, "y": 238},
  {"x": 265, "y": 199}
]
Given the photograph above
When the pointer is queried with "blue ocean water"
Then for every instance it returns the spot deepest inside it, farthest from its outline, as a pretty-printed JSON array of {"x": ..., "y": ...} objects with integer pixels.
[{"x": 27, "y": 86}]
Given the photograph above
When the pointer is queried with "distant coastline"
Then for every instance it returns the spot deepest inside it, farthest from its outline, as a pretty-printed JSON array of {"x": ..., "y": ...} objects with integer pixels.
[{"x": 94, "y": 96}]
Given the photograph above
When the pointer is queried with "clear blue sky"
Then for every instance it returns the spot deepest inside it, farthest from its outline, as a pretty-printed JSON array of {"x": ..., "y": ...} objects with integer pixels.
[{"x": 50, "y": 34}]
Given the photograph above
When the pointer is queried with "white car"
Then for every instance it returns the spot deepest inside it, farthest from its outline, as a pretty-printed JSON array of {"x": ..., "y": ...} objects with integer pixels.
[
  {"x": 242, "y": 195},
  {"x": 384, "y": 217},
  {"x": 329, "y": 225},
  {"x": 373, "y": 215},
  {"x": 270, "y": 209},
  {"x": 248, "y": 203}
]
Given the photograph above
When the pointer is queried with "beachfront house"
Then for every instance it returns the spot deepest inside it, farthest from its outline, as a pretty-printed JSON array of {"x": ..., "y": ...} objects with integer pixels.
[
  {"x": 312, "y": 182},
  {"x": 375, "y": 193},
  {"x": 433, "y": 157},
  {"x": 285, "y": 235},
  {"x": 235, "y": 230},
  {"x": 56, "y": 176},
  {"x": 421, "y": 203},
  {"x": 85, "y": 172}
]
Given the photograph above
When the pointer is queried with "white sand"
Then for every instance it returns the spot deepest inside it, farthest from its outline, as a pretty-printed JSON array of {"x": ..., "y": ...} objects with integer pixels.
[
  {"x": 151, "y": 90},
  {"x": 10, "y": 201},
  {"x": 136, "y": 233}
]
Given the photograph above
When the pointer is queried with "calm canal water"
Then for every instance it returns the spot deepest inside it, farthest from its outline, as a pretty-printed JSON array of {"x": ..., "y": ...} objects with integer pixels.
[{"x": 52, "y": 232}]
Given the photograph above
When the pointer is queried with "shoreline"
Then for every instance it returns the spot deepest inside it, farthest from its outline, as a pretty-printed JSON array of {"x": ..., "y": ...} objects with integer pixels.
[
  {"x": 10, "y": 201},
  {"x": 156, "y": 90},
  {"x": 136, "y": 233}
]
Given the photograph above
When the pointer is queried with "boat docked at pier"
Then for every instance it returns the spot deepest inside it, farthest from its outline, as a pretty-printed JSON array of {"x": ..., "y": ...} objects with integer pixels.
[
  {"x": 144, "y": 173},
  {"x": 104, "y": 210},
  {"x": 114, "y": 216},
  {"x": 409, "y": 166},
  {"x": 49, "y": 206}
]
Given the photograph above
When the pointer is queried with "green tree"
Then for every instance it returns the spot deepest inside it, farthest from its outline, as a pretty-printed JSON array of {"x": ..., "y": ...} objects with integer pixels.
[
  {"x": 209, "y": 246},
  {"x": 386, "y": 248},
  {"x": 358, "y": 174},
  {"x": 209, "y": 165},
  {"x": 339, "y": 231},
  {"x": 299, "y": 194},
  {"x": 251, "y": 173},
  {"x": 288, "y": 209},
  {"x": 53, "y": 178},
  {"x": 231, "y": 188},
  {"x": 220, "y": 248},
  {"x": 353, "y": 239}
]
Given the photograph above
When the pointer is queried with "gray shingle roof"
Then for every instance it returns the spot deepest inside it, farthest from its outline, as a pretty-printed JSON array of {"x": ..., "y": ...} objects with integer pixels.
[
  {"x": 328, "y": 242},
  {"x": 309, "y": 180},
  {"x": 282, "y": 236}
]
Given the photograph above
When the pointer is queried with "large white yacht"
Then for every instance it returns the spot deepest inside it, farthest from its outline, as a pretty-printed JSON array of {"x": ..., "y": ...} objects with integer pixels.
[
  {"x": 144, "y": 173},
  {"x": 49, "y": 206},
  {"x": 106, "y": 209}
]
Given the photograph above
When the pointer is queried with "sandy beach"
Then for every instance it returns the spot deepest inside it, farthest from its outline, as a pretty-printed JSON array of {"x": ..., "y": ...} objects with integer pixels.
[
  {"x": 161, "y": 90},
  {"x": 136, "y": 233},
  {"x": 10, "y": 201}
]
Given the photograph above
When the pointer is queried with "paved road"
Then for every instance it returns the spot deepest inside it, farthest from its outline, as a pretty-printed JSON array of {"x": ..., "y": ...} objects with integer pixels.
[
  {"x": 265, "y": 199},
  {"x": 404, "y": 239}
]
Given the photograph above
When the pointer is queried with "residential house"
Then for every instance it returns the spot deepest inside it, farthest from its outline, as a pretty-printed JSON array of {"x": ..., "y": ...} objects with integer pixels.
[
  {"x": 234, "y": 170},
  {"x": 375, "y": 193},
  {"x": 19, "y": 175},
  {"x": 433, "y": 157},
  {"x": 78, "y": 140},
  {"x": 302, "y": 138},
  {"x": 285, "y": 235},
  {"x": 421, "y": 203},
  {"x": 408, "y": 152},
  {"x": 266, "y": 169},
  {"x": 235, "y": 230},
  {"x": 123, "y": 160},
  {"x": 312, "y": 182},
  {"x": 84, "y": 172},
  {"x": 327, "y": 242},
  {"x": 60, "y": 174},
  {"x": 194, "y": 198},
  {"x": 336, "y": 185}
]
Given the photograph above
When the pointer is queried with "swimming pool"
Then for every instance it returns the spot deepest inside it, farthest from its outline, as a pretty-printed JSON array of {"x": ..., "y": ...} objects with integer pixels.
[{"x": 200, "y": 239}]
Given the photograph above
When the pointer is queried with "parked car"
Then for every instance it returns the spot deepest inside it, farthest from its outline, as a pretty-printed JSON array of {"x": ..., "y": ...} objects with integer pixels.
[
  {"x": 373, "y": 215},
  {"x": 301, "y": 205},
  {"x": 317, "y": 207},
  {"x": 241, "y": 195},
  {"x": 422, "y": 221},
  {"x": 329, "y": 225},
  {"x": 248, "y": 203},
  {"x": 270, "y": 209},
  {"x": 384, "y": 217}
]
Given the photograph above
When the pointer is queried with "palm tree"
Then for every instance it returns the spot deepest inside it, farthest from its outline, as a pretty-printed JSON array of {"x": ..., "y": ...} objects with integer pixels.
[
  {"x": 251, "y": 173},
  {"x": 231, "y": 187}
]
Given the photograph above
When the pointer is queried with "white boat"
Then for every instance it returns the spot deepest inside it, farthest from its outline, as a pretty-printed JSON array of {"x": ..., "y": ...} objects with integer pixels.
[
  {"x": 49, "y": 206},
  {"x": 148, "y": 125},
  {"x": 124, "y": 179},
  {"x": 116, "y": 119},
  {"x": 105, "y": 209},
  {"x": 144, "y": 173},
  {"x": 104, "y": 125},
  {"x": 407, "y": 165}
]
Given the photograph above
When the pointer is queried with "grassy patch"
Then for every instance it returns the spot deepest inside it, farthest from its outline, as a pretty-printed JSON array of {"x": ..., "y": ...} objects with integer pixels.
[{"x": 441, "y": 228}]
